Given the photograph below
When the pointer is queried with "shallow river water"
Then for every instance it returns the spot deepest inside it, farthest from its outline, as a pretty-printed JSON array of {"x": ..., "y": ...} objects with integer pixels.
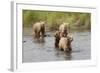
[{"x": 34, "y": 51}]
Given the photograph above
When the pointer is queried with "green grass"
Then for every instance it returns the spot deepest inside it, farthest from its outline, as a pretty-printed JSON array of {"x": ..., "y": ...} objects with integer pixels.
[{"x": 54, "y": 19}]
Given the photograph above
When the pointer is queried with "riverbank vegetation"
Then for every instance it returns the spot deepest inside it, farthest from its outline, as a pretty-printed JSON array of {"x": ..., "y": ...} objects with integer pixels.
[{"x": 53, "y": 19}]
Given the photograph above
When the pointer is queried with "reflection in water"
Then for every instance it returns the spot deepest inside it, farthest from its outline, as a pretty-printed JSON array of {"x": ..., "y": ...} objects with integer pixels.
[
  {"x": 40, "y": 40},
  {"x": 65, "y": 55},
  {"x": 42, "y": 50}
]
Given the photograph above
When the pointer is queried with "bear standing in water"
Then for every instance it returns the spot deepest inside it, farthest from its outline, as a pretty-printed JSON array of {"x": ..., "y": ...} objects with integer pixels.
[
  {"x": 62, "y": 40},
  {"x": 65, "y": 43},
  {"x": 60, "y": 33},
  {"x": 39, "y": 29},
  {"x": 63, "y": 29}
]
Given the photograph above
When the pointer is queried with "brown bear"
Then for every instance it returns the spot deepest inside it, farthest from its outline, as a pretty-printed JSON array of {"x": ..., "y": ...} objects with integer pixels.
[
  {"x": 39, "y": 29},
  {"x": 62, "y": 32},
  {"x": 63, "y": 29},
  {"x": 65, "y": 43},
  {"x": 57, "y": 38}
]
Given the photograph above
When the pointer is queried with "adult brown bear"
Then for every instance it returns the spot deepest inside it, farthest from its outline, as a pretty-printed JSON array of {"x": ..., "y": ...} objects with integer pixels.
[
  {"x": 63, "y": 29},
  {"x": 39, "y": 29},
  {"x": 62, "y": 38},
  {"x": 65, "y": 43},
  {"x": 62, "y": 32}
]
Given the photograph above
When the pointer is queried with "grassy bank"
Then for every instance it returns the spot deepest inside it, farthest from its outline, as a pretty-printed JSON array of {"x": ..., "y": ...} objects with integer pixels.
[{"x": 76, "y": 20}]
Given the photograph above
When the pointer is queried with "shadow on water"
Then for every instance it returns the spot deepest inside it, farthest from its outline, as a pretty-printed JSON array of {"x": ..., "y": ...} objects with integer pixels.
[
  {"x": 24, "y": 41},
  {"x": 41, "y": 40},
  {"x": 61, "y": 53}
]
